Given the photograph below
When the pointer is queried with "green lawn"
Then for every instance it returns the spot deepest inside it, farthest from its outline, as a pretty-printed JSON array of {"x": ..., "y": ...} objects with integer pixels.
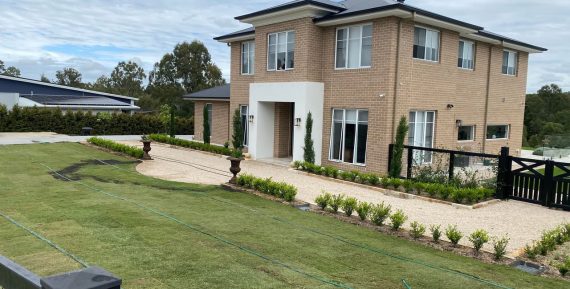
[{"x": 222, "y": 240}]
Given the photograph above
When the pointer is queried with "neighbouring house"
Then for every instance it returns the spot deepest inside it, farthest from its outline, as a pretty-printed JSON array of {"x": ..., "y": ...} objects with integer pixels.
[
  {"x": 358, "y": 66},
  {"x": 217, "y": 101},
  {"x": 33, "y": 93}
]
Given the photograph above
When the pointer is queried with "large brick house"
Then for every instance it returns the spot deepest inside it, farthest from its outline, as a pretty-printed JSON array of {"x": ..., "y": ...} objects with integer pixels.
[{"x": 358, "y": 66}]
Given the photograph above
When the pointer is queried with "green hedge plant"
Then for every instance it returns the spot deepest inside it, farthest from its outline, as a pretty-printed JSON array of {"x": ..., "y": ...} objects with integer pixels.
[
  {"x": 363, "y": 210},
  {"x": 435, "y": 232},
  {"x": 499, "y": 247},
  {"x": 323, "y": 200},
  {"x": 191, "y": 144},
  {"x": 478, "y": 239},
  {"x": 349, "y": 205},
  {"x": 417, "y": 230},
  {"x": 117, "y": 147},
  {"x": 453, "y": 234},
  {"x": 398, "y": 219},
  {"x": 268, "y": 186},
  {"x": 379, "y": 213},
  {"x": 335, "y": 202}
]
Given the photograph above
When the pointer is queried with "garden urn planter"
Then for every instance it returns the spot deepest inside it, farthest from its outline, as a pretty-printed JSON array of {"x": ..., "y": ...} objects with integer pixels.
[
  {"x": 234, "y": 168},
  {"x": 146, "y": 149}
]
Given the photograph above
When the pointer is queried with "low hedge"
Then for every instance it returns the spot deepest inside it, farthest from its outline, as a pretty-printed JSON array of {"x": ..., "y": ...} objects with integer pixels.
[
  {"x": 114, "y": 146},
  {"x": 191, "y": 144},
  {"x": 34, "y": 119},
  {"x": 434, "y": 190},
  {"x": 268, "y": 186}
]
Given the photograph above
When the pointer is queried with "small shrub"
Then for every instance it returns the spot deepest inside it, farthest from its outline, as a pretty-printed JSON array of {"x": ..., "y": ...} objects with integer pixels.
[
  {"x": 385, "y": 182},
  {"x": 453, "y": 234},
  {"x": 323, "y": 200},
  {"x": 331, "y": 172},
  {"x": 530, "y": 251},
  {"x": 418, "y": 230},
  {"x": 346, "y": 175},
  {"x": 373, "y": 179},
  {"x": 435, "y": 232},
  {"x": 353, "y": 176},
  {"x": 563, "y": 269},
  {"x": 117, "y": 147},
  {"x": 363, "y": 210},
  {"x": 395, "y": 183},
  {"x": 335, "y": 202},
  {"x": 478, "y": 239},
  {"x": 398, "y": 219},
  {"x": 445, "y": 191},
  {"x": 432, "y": 189},
  {"x": 379, "y": 213},
  {"x": 500, "y": 247},
  {"x": 349, "y": 205},
  {"x": 268, "y": 186},
  {"x": 408, "y": 186},
  {"x": 419, "y": 188},
  {"x": 297, "y": 164}
]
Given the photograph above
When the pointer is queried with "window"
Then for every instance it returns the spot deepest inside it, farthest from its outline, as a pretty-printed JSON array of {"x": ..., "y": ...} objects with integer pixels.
[
  {"x": 420, "y": 134},
  {"x": 466, "y": 133},
  {"x": 349, "y": 136},
  {"x": 466, "y": 54},
  {"x": 510, "y": 59},
  {"x": 248, "y": 57},
  {"x": 281, "y": 51},
  {"x": 244, "y": 123},
  {"x": 497, "y": 132},
  {"x": 426, "y": 44},
  {"x": 354, "y": 46},
  {"x": 209, "y": 109}
]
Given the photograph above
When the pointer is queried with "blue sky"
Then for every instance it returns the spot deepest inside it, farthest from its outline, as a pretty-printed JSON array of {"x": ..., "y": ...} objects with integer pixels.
[{"x": 41, "y": 37}]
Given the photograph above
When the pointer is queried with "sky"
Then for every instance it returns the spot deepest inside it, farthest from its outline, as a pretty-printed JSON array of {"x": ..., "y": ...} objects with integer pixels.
[{"x": 41, "y": 37}]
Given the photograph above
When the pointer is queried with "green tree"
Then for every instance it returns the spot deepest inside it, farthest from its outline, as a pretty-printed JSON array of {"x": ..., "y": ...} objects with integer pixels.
[
  {"x": 546, "y": 113},
  {"x": 9, "y": 71},
  {"x": 308, "y": 149},
  {"x": 237, "y": 136},
  {"x": 103, "y": 84},
  {"x": 206, "y": 125},
  {"x": 44, "y": 78},
  {"x": 127, "y": 79},
  {"x": 396, "y": 162},
  {"x": 69, "y": 77}
]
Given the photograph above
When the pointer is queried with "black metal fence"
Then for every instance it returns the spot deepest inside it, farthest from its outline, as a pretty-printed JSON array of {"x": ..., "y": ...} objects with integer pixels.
[{"x": 543, "y": 182}]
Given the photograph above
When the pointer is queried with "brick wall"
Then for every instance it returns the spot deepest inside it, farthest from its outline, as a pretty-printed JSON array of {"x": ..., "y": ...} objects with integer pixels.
[{"x": 220, "y": 121}]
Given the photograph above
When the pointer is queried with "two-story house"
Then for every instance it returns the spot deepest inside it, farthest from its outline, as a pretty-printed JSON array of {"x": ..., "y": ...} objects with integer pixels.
[{"x": 358, "y": 66}]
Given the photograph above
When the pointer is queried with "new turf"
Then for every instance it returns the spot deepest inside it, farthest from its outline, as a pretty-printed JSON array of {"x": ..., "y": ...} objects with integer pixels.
[{"x": 159, "y": 234}]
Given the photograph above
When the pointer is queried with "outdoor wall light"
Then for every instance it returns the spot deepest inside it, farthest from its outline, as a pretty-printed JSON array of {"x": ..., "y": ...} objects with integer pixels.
[
  {"x": 298, "y": 121},
  {"x": 251, "y": 118},
  {"x": 450, "y": 106},
  {"x": 458, "y": 123}
]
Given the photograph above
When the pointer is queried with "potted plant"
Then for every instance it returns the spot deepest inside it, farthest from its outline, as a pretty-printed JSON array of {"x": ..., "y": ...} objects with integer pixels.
[
  {"x": 146, "y": 147},
  {"x": 235, "y": 158}
]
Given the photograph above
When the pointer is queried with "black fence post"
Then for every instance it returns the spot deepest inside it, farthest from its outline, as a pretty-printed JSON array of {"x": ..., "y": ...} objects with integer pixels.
[
  {"x": 451, "y": 166},
  {"x": 547, "y": 195},
  {"x": 504, "y": 178},
  {"x": 410, "y": 161},
  {"x": 390, "y": 156}
]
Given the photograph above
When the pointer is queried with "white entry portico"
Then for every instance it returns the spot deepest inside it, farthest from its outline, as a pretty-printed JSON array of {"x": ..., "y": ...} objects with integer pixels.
[{"x": 305, "y": 96}]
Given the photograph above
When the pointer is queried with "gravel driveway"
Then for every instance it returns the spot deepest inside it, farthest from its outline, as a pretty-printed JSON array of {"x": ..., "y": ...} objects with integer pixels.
[{"x": 523, "y": 222}]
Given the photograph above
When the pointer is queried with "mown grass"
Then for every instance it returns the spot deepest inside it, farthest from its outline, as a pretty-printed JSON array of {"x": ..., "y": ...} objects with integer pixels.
[{"x": 150, "y": 251}]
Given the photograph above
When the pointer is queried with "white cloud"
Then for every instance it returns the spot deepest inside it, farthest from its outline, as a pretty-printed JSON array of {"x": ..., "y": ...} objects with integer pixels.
[{"x": 44, "y": 36}]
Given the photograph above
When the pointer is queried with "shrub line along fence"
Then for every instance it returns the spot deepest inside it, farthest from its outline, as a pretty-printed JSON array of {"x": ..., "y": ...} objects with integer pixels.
[{"x": 532, "y": 181}]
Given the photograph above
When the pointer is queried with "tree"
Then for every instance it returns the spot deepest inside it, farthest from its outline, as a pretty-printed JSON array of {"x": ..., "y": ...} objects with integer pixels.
[
  {"x": 69, "y": 77},
  {"x": 546, "y": 113},
  {"x": 44, "y": 78},
  {"x": 9, "y": 71},
  {"x": 237, "y": 136},
  {"x": 308, "y": 149},
  {"x": 127, "y": 79},
  {"x": 396, "y": 162},
  {"x": 206, "y": 125}
]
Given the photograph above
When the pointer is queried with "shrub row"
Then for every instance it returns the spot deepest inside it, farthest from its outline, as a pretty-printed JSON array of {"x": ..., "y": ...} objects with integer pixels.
[
  {"x": 114, "y": 146},
  {"x": 222, "y": 150},
  {"x": 379, "y": 213},
  {"x": 549, "y": 241},
  {"x": 34, "y": 119},
  {"x": 268, "y": 186},
  {"x": 434, "y": 190}
]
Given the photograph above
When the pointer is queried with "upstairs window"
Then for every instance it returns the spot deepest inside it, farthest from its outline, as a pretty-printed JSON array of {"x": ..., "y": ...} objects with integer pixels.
[
  {"x": 247, "y": 57},
  {"x": 281, "y": 51},
  {"x": 426, "y": 44},
  {"x": 354, "y": 46},
  {"x": 466, "y": 54},
  {"x": 510, "y": 59}
]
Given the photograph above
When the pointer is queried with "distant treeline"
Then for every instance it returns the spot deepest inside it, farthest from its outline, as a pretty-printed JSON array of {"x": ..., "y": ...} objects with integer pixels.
[{"x": 547, "y": 118}]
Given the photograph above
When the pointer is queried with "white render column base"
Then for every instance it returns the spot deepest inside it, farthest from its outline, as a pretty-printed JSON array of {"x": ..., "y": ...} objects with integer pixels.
[{"x": 306, "y": 96}]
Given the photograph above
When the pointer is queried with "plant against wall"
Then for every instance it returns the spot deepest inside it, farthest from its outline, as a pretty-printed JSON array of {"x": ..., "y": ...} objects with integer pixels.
[
  {"x": 237, "y": 136},
  {"x": 396, "y": 162},
  {"x": 206, "y": 125},
  {"x": 309, "y": 150}
]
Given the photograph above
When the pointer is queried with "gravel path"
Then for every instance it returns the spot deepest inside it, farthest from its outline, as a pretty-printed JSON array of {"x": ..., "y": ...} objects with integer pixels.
[{"x": 523, "y": 222}]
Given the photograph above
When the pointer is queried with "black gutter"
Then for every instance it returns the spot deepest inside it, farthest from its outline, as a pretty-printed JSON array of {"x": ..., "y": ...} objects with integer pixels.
[
  {"x": 289, "y": 6},
  {"x": 512, "y": 41},
  {"x": 232, "y": 35}
]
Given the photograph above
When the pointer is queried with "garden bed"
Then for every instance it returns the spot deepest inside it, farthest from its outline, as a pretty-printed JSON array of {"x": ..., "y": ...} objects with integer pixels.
[
  {"x": 221, "y": 150},
  {"x": 464, "y": 197}
]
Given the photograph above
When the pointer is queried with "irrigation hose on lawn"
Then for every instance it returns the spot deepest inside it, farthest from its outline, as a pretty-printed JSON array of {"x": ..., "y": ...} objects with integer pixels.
[
  {"x": 196, "y": 229},
  {"x": 352, "y": 243}
]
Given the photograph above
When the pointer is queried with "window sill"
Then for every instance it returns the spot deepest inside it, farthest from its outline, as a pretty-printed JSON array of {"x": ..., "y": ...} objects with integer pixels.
[
  {"x": 352, "y": 164},
  {"x": 496, "y": 139},
  {"x": 466, "y": 141},
  {"x": 509, "y": 75},
  {"x": 353, "y": 68},
  {"x": 427, "y": 61},
  {"x": 247, "y": 74},
  {"x": 290, "y": 69},
  {"x": 466, "y": 69}
]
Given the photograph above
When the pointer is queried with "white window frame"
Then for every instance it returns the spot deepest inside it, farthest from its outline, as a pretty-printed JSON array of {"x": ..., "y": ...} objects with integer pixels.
[
  {"x": 347, "y": 28},
  {"x": 355, "y": 156},
  {"x": 472, "y": 56},
  {"x": 473, "y": 127},
  {"x": 515, "y": 64},
  {"x": 425, "y": 51},
  {"x": 507, "y": 134},
  {"x": 250, "y": 57},
  {"x": 245, "y": 140},
  {"x": 420, "y": 154},
  {"x": 276, "y": 49}
]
